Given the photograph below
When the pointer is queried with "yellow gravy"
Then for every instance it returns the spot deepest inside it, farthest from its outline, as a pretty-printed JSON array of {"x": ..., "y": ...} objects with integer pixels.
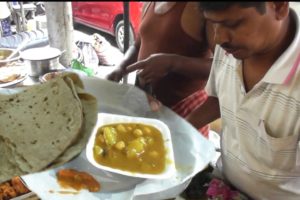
[{"x": 133, "y": 147}]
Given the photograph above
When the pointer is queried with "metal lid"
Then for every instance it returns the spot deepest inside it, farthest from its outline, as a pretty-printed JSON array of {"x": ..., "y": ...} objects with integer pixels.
[{"x": 40, "y": 53}]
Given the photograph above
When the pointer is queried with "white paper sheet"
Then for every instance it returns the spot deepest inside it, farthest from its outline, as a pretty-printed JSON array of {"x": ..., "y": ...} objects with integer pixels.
[{"x": 192, "y": 151}]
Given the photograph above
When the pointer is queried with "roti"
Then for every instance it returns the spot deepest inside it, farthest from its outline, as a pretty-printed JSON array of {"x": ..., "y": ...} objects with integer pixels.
[
  {"x": 8, "y": 169},
  {"x": 45, "y": 125},
  {"x": 89, "y": 105}
]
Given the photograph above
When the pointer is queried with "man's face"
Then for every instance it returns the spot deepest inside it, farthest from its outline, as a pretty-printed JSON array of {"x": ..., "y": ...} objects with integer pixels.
[{"x": 244, "y": 32}]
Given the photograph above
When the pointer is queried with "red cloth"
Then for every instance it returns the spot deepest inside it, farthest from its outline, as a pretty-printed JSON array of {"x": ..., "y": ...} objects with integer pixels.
[{"x": 190, "y": 103}]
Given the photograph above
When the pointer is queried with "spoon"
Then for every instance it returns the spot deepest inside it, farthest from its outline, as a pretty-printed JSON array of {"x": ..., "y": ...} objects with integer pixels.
[{"x": 16, "y": 50}]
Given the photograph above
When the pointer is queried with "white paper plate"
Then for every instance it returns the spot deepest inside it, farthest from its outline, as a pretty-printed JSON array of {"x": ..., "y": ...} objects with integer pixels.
[{"x": 104, "y": 119}]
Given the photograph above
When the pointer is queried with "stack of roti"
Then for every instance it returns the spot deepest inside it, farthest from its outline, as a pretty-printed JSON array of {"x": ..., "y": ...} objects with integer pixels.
[{"x": 45, "y": 125}]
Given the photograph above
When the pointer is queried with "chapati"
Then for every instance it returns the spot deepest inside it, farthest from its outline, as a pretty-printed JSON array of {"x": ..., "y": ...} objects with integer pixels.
[
  {"x": 44, "y": 125},
  {"x": 89, "y": 105}
]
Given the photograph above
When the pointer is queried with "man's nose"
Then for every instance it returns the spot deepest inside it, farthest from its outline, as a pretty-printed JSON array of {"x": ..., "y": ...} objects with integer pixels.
[{"x": 221, "y": 34}]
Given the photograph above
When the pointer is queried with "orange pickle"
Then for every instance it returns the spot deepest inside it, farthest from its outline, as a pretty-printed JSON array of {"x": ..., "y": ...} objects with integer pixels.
[{"x": 71, "y": 178}]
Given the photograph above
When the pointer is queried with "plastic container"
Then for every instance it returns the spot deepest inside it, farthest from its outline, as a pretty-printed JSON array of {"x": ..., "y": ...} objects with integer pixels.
[{"x": 105, "y": 118}]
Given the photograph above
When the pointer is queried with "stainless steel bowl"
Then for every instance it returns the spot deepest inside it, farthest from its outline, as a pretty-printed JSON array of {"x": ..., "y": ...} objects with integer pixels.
[
  {"x": 40, "y": 67},
  {"x": 41, "y": 60},
  {"x": 4, "y": 53}
]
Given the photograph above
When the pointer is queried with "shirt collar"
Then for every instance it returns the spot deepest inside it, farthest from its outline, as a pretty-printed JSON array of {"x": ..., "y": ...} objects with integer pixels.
[{"x": 286, "y": 66}]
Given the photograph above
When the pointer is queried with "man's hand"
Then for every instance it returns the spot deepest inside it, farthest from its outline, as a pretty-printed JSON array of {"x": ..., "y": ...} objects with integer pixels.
[
  {"x": 152, "y": 68},
  {"x": 116, "y": 75},
  {"x": 129, "y": 58},
  {"x": 154, "y": 104}
]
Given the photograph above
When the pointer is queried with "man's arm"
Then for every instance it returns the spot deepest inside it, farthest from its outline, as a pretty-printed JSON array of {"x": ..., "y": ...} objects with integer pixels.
[
  {"x": 129, "y": 58},
  {"x": 159, "y": 65},
  {"x": 206, "y": 113},
  {"x": 194, "y": 68},
  {"x": 130, "y": 55}
]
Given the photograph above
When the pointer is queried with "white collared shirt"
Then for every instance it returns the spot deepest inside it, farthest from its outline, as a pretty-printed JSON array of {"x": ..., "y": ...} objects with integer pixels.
[{"x": 261, "y": 129}]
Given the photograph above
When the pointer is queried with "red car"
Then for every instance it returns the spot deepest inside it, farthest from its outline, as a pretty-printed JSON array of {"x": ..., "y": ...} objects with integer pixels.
[{"x": 108, "y": 17}]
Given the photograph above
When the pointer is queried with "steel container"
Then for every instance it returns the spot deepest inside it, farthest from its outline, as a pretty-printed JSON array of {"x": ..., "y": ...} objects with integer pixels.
[{"x": 40, "y": 61}]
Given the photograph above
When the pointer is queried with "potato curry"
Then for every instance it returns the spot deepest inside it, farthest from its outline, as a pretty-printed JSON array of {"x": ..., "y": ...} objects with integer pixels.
[{"x": 133, "y": 147}]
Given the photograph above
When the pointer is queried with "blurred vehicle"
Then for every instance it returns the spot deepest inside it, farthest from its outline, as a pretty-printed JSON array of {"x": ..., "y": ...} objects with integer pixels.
[{"x": 108, "y": 17}]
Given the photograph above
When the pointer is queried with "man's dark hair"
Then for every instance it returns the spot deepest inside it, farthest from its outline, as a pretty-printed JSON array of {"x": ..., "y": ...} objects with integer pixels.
[{"x": 223, "y": 5}]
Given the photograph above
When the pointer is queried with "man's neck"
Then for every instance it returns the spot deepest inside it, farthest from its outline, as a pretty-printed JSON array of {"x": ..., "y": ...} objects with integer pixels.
[
  {"x": 255, "y": 68},
  {"x": 280, "y": 44}
]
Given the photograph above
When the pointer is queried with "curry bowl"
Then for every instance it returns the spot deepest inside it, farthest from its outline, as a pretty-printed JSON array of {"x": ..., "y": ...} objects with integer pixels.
[
  {"x": 132, "y": 146},
  {"x": 4, "y": 53},
  {"x": 51, "y": 75}
]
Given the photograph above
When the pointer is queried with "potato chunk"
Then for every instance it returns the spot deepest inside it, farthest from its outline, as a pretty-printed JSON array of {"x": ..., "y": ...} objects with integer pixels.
[
  {"x": 98, "y": 150},
  {"x": 131, "y": 153},
  {"x": 136, "y": 145},
  {"x": 110, "y": 135}
]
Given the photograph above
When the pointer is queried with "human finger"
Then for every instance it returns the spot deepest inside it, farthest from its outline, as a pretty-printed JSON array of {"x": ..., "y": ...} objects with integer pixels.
[
  {"x": 154, "y": 104},
  {"x": 145, "y": 77},
  {"x": 135, "y": 66},
  {"x": 114, "y": 76}
]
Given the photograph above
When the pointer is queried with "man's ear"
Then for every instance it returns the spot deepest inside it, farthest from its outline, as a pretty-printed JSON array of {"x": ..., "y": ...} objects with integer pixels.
[{"x": 281, "y": 9}]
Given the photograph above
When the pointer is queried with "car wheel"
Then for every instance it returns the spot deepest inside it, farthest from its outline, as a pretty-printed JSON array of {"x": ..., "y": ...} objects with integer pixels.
[{"x": 119, "y": 35}]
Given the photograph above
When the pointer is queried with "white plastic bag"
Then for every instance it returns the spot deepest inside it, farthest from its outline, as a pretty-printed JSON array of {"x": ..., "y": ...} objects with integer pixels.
[{"x": 90, "y": 58}]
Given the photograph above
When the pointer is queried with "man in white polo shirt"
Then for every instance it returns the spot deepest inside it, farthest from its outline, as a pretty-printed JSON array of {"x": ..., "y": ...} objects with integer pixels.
[{"x": 254, "y": 86}]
